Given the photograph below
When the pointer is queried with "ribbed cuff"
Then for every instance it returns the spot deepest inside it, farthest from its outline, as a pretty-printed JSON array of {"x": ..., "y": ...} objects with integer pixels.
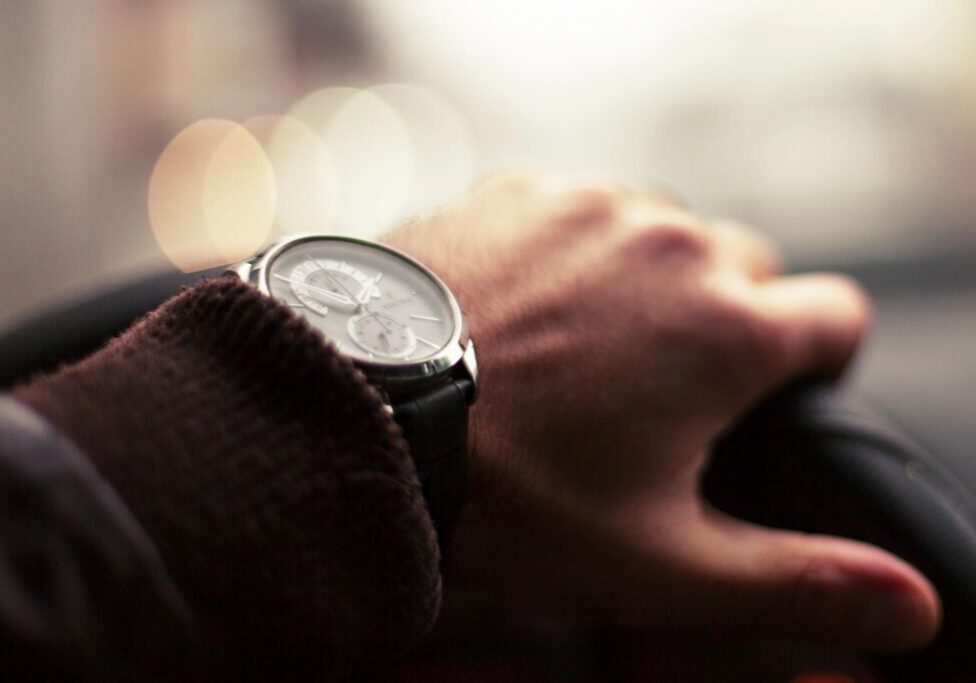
[{"x": 266, "y": 470}]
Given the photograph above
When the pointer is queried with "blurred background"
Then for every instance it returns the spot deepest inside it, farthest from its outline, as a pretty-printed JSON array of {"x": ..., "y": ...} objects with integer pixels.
[
  {"x": 139, "y": 135},
  {"x": 845, "y": 129}
]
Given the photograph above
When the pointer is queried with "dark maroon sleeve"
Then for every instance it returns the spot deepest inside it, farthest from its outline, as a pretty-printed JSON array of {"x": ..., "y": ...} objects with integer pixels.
[
  {"x": 268, "y": 474},
  {"x": 83, "y": 593}
]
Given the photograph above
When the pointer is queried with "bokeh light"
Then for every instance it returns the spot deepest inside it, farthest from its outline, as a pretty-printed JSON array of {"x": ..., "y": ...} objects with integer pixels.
[
  {"x": 372, "y": 152},
  {"x": 211, "y": 195},
  {"x": 342, "y": 161},
  {"x": 304, "y": 174},
  {"x": 443, "y": 144}
]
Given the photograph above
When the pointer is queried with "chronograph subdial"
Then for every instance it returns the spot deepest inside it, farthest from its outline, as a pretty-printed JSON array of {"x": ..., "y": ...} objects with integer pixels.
[{"x": 380, "y": 334}]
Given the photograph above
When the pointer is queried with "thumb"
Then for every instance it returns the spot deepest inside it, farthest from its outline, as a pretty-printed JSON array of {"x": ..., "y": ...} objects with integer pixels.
[{"x": 820, "y": 587}]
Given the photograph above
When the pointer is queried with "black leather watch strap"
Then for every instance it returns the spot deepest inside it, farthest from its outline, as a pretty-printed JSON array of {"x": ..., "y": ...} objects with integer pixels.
[{"x": 435, "y": 425}]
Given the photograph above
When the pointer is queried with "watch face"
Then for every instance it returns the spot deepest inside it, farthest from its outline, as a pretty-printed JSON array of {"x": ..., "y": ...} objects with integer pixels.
[{"x": 374, "y": 304}]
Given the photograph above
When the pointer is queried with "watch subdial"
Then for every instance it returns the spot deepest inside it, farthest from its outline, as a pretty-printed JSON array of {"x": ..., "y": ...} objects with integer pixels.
[
  {"x": 381, "y": 335},
  {"x": 323, "y": 289}
]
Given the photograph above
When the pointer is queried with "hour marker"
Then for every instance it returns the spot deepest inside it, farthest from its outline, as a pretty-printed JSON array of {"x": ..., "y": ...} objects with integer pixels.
[
  {"x": 378, "y": 277},
  {"x": 426, "y": 317},
  {"x": 296, "y": 305},
  {"x": 428, "y": 343}
]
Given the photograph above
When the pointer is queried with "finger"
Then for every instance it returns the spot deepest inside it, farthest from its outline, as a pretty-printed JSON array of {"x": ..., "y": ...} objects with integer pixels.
[
  {"x": 819, "y": 587},
  {"x": 745, "y": 249},
  {"x": 820, "y": 320}
]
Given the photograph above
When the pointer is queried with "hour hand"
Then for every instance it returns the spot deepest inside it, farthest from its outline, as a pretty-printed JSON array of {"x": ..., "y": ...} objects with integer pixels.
[{"x": 338, "y": 298}]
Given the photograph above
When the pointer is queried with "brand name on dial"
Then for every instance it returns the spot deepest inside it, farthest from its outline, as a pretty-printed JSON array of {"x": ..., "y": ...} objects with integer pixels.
[{"x": 397, "y": 304}]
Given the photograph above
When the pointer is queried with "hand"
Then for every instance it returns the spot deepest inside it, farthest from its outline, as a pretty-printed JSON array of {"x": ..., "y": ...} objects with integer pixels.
[{"x": 618, "y": 335}]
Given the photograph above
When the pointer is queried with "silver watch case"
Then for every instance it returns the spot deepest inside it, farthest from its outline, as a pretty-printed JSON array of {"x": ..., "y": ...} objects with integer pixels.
[{"x": 456, "y": 358}]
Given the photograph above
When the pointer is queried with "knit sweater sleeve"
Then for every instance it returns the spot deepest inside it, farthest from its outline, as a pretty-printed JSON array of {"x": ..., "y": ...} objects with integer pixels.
[{"x": 273, "y": 482}]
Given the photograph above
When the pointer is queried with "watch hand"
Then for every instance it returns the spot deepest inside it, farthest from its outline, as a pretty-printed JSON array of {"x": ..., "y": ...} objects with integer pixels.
[
  {"x": 352, "y": 299},
  {"x": 316, "y": 290},
  {"x": 367, "y": 290}
]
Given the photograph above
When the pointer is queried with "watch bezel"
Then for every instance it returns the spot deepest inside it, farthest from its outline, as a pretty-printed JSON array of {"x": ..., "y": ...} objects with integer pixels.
[{"x": 429, "y": 368}]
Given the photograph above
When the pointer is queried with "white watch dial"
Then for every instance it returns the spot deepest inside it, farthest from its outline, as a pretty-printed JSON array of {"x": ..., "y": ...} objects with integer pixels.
[
  {"x": 382, "y": 335},
  {"x": 374, "y": 304}
]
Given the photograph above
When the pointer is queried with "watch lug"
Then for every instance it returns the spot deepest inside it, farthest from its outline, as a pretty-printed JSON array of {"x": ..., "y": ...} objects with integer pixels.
[
  {"x": 470, "y": 363},
  {"x": 241, "y": 270}
]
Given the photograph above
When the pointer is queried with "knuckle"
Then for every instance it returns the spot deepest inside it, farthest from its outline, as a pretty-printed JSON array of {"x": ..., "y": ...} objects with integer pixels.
[
  {"x": 763, "y": 254},
  {"x": 596, "y": 196},
  {"x": 668, "y": 240},
  {"x": 590, "y": 208},
  {"x": 515, "y": 181}
]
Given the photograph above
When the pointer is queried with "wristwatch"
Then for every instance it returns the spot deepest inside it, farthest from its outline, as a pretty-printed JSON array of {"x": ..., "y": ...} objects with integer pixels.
[{"x": 402, "y": 326}]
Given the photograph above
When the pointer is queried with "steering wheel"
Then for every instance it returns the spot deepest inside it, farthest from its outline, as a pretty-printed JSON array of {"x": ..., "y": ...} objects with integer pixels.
[
  {"x": 810, "y": 459},
  {"x": 816, "y": 460}
]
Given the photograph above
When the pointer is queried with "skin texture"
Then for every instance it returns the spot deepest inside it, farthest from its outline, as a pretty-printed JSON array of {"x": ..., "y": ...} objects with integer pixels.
[{"x": 618, "y": 335}]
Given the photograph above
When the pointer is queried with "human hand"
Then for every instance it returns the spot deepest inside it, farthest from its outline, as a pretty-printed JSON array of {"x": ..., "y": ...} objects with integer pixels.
[{"x": 618, "y": 336}]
